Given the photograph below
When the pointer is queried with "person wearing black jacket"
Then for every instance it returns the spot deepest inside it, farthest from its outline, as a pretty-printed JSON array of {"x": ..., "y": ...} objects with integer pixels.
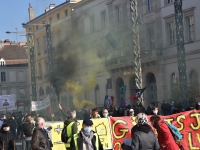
[
  {"x": 143, "y": 137},
  {"x": 7, "y": 141},
  {"x": 86, "y": 138},
  {"x": 27, "y": 130},
  {"x": 40, "y": 138},
  {"x": 13, "y": 125}
]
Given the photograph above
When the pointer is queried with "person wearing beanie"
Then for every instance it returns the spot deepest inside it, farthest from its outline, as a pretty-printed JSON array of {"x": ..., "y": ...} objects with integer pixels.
[
  {"x": 7, "y": 140},
  {"x": 86, "y": 138},
  {"x": 131, "y": 112}
]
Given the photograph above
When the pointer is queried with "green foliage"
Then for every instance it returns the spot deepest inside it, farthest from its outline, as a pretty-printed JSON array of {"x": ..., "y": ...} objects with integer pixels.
[{"x": 193, "y": 93}]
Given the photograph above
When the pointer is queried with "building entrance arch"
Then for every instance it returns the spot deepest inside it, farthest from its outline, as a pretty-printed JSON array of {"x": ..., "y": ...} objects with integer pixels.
[{"x": 152, "y": 88}]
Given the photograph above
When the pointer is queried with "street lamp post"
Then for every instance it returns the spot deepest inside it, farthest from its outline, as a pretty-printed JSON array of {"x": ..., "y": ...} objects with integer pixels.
[
  {"x": 181, "y": 53},
  {"x": 136, "y": 47}
]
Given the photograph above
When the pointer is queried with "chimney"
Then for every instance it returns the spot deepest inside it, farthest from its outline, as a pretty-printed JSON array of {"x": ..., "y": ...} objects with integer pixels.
[
  {"x": 31, "y": 12},
  {"x": 51, "y": 6},
  {"x": 47, "y": 9}
]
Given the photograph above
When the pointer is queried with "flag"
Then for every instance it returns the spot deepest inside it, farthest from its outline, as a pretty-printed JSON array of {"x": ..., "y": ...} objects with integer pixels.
[
  {"x": 123, "y": 90},
  {"x": 111, "y": 40},
  {"x": 123, "y": 102},
  {"x": 109, "y": 101},
  {"x": 137, "y": 95}
]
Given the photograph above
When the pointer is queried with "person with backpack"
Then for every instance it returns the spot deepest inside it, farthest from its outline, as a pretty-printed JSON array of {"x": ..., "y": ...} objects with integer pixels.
[
  {"x": 86, "y": 139},
  {"x": 27, "y": 128},
  {"x": 165, "y": 136},
  {"x": 70, "y": 128}
]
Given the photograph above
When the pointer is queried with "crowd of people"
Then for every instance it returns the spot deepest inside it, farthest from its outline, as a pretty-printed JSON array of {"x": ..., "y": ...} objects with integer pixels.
[{"x": 30, "y": 128}]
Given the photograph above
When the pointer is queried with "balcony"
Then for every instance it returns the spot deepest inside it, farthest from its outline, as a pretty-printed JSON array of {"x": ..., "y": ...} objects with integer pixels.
[{"x": 125, "y": 61}]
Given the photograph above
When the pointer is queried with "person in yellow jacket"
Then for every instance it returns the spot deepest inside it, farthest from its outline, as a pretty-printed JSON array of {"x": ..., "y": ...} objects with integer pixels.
[
  {"x": 86, "y": 139},
  {"x": 71, "y": 126}
]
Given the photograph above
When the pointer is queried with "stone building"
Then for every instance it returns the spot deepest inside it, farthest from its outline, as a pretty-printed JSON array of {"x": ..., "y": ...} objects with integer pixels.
[
  {"x": 103, "y": 28},
  {"x": 14, "y": 74}
]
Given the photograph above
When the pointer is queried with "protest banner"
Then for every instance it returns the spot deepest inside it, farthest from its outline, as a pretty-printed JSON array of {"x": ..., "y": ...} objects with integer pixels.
[
  {"x": 114, "y": 130},
  {"x": 39, "y": 105},
  {"x": 100, "y": 126},
  {"x": 55, "y": 134},
  {"x": 7, "y": 101},
  {"x": 187, "y": 122}
]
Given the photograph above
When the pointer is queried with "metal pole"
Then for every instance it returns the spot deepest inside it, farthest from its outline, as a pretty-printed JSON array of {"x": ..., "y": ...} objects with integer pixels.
[
  {"x": 181, "y": 53},
  {"x": 16, "y": 35},
  {"x": 136, "y": 47},
  {"x": 49, "y": 48},
  {"x": 50, "y": 55},
  {"x": 32, "y": 65}
]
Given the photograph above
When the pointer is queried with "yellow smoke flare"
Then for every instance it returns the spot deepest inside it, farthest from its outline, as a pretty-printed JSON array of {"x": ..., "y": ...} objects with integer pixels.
[{"x": 77, "y": 89}]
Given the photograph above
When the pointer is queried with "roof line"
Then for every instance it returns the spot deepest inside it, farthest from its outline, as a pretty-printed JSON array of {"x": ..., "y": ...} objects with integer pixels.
[{"x": 49, "y": 11}]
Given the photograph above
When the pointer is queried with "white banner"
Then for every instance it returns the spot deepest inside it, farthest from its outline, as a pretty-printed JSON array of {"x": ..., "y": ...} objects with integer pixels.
[
  {"x": 7, "y": 101},
  {"x": 39, "y": 105}
]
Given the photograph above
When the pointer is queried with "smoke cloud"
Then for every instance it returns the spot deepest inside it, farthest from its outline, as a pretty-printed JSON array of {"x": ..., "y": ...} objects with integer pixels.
[{"x": 66, "y": 63}]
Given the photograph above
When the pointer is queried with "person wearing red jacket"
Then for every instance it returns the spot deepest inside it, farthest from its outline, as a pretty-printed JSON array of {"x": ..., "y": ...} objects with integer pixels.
[{"x": 165, "y": 137}]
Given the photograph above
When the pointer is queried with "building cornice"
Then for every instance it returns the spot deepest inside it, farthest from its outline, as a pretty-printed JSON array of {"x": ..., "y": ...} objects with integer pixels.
[{"x": 48, "y": 12}]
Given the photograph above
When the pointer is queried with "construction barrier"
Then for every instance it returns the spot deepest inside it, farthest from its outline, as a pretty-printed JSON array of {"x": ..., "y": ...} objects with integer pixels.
[{"x": 114, "y": 130}]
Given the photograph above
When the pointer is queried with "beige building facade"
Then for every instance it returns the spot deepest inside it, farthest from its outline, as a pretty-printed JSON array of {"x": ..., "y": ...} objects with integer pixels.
[
  {"x": 157, "y": 43},
  {"x": 100, "y": 31}
]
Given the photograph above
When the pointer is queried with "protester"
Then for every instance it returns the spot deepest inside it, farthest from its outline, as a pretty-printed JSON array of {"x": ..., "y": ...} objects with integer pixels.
[
  {"x": 19, "y": 122},
  {"x": 7, "y": 140},
  {"x": 105, "y": 113},
  {"x": 198, "y": 106},
  {"x": 166, "y": 108},
  {"x": 2, "y": 120},
  {"x": 149, "y": 109},
  {"x": 40, "y": 139},
  {"x": 116, "y": 111},
  {"x": 13, "y": 125},
  {"x": 95, "y": 114},
  {"x": 131, "y": 112},
  {"x": 125, "y": 112},
  {"x": 53, "y": 117},
  {"x": 154, "y": 111},
  {"x": 86, "y": 139},
  {"x": 175, "y": 111},
  {"x": 165, "y": 137},
  {"x": 172, "y": 107},
  {"x": 71, "y": 127},
  {"x": 27, "y": 128},
  {"x": 144, "y": 138}
]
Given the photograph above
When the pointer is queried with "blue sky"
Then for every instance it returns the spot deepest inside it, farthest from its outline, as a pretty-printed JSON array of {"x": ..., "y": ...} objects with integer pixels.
[{"x": 15, "y": 12}]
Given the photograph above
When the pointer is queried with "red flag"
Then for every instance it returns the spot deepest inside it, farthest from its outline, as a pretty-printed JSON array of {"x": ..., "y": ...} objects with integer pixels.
[
  {"x": 134, "y": 97},
  {"x": 138, "y": 94}
]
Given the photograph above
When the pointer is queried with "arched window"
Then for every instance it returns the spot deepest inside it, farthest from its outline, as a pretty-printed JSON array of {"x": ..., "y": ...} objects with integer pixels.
[
  {"x": 2, "y": 62},
  {"x": 47, "y": 90},
  {"x": 174, "y": 79},
  {"x": 97, "y": 94},
  {"x": 41, "y": 91}
]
